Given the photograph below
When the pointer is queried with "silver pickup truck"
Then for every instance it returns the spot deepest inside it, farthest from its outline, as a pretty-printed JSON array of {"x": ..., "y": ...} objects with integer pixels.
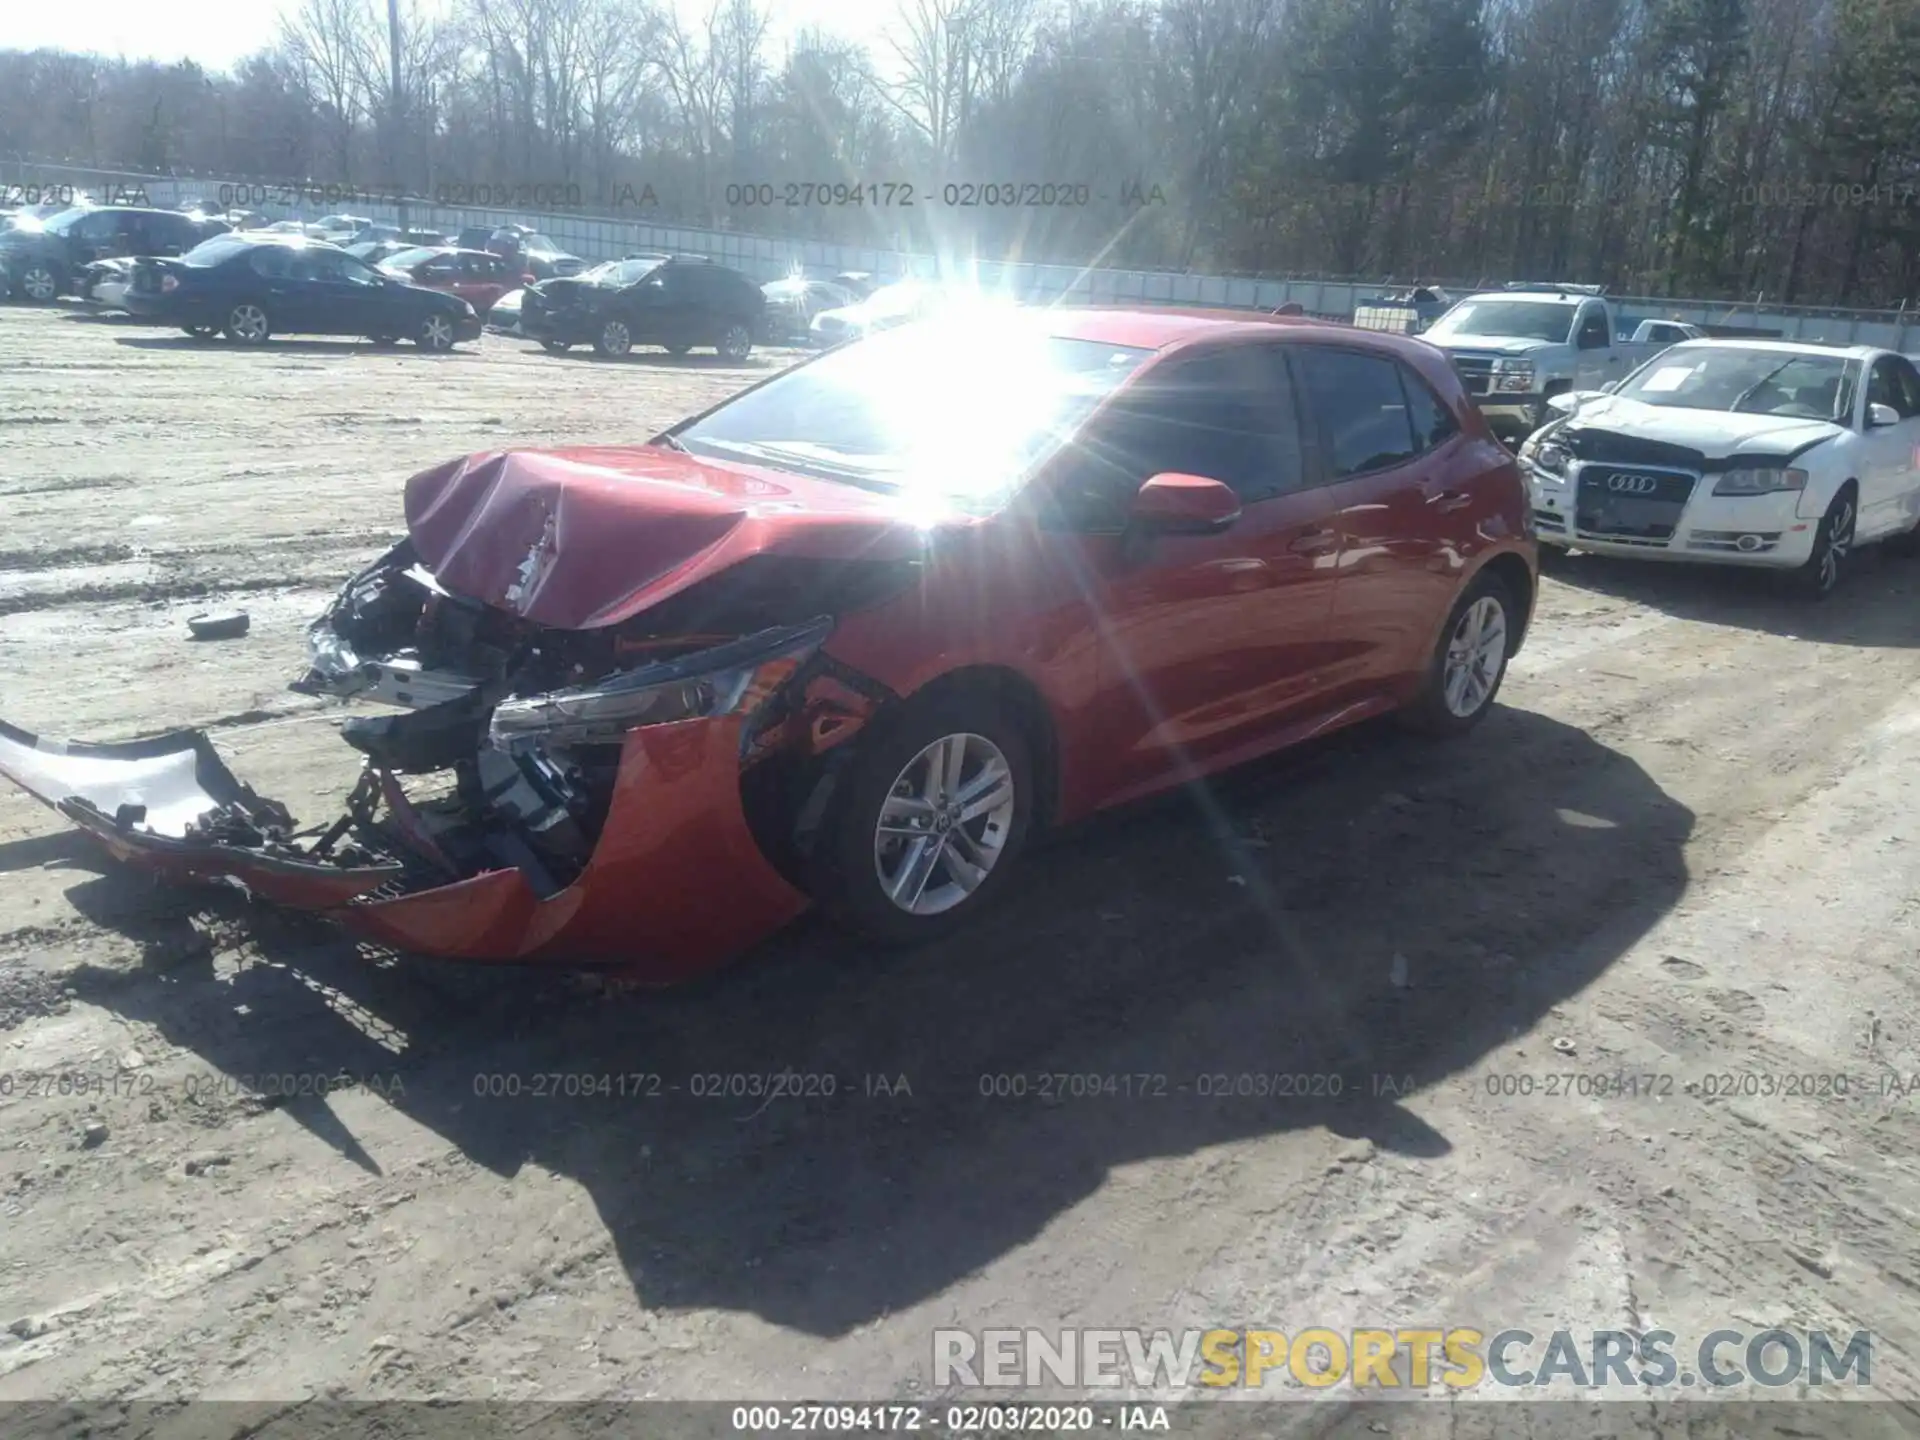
[{"x": 1518, "y": 347}]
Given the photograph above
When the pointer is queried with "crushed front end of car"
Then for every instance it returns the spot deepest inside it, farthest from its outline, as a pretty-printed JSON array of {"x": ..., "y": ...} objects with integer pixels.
[{"x": 617, "y": 795}]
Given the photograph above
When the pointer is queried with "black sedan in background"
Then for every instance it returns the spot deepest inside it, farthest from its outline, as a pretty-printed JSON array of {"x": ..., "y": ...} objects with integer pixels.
[
  {"x": 45, "y": 259},
  {"x": 249, "y": 287},
  {"x": 677, "y": 302}
]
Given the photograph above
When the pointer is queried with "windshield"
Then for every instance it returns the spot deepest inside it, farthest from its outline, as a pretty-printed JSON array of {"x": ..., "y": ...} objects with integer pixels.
[
  {"x": 407, "y": 259},
  {"x": 64, "y": 221},
  {"x": 897, "y": 299},
  {"x": 1545, "y": 320},
  {"x": 1746, "y": 381},
  {"x": 956, "y": 410}
]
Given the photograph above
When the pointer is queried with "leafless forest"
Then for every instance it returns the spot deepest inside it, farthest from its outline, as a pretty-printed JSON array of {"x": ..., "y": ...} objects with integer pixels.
[{"x": 1723, "y": 147}]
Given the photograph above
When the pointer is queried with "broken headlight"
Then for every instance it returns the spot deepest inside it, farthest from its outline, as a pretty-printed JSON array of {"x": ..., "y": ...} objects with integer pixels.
[{"x": 713, "y": 682}]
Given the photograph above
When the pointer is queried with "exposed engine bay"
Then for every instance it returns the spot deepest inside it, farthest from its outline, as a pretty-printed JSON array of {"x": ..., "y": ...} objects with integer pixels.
[{"x": 507, "y": 747}]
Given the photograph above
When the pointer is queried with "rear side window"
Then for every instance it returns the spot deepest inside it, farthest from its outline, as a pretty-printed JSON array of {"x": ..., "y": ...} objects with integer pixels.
[
  {"x": 1433, "y": 423},
  {"x": 270, "y": 261},
  {"x": 1362, "y": 408}
]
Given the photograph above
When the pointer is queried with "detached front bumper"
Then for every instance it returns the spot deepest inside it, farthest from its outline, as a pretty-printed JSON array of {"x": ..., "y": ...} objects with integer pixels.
[{"x": 675, "y": 886}]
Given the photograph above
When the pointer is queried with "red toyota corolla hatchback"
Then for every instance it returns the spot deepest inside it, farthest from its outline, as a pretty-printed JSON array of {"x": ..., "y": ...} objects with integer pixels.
[{"x": 853, "y": 636}]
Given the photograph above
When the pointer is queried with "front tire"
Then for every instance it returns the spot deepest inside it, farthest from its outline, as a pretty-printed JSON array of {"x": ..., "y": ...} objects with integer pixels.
[
  {"x": 248, "y": 325},
  {"x": 435, "y": 333},
  {"x": 1832, "y": 543},
  {"x": 1469, "y": 663},
  {"x": 614, "y": 341},
  {"x": 931, "y": 822}
]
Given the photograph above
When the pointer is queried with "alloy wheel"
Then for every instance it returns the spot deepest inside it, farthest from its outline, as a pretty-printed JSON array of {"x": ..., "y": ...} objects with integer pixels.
[
  {"x": 436, "y": 333},
  {"x": 1475, "y": 653},
  {"x": 615, "y": 339},
  {"x": 1838, "y": 533},
  {"x": 736, "y": 342},
  {"x": 39, "y": 285},
  {"x": 247, "y": 324},
  {"x": 944, "y": 824}
]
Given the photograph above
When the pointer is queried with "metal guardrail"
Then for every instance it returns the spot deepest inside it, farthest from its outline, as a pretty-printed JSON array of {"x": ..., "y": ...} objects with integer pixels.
[{"x": 602, "y": 237}]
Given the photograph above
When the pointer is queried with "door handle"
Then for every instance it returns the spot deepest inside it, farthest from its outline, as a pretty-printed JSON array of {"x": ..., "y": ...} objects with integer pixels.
[
  {"x": 1448, "y": 501},
  {"x": 1314, "y": 542}
]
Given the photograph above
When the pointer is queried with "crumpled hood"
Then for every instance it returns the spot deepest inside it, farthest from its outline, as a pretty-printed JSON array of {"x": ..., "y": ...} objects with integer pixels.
[
  {"x": 581, "y": 538},
  {"x": 1714, "y": 433}
]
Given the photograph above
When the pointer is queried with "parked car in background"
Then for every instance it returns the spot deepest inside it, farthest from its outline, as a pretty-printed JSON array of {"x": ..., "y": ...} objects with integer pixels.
[
  {"x": 377, "y": 252},
  {"x": 382, "y": 232},
  {"x": 885, "y": 308},
  {"x": 859, "y": 283},
  {"x": 678, "y": 302},
  {"x": 504, "y": 317},
  {"x": 340, "y": 229},
  {"x": 475, "y": 237},
  {"x": 829, "y": 643},
  {"x": 533, "y": 253},
  {"x": 1778, "y": 454},
  {"x": 104, "y": 283},
  {"x": 1653, "y": 333},
  {"x": 793, "y": 302},
  {"x": 45, "y": 261},
  {"x": 478, "y": 277},
  {"x": 28, "y": 217},
  {"x": 1517, "y": 348},
  {"x": 252, "y": 287}
]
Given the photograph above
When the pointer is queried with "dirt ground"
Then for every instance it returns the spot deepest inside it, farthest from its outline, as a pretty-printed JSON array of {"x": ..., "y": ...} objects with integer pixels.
[{"x": 1685, "y": 846}]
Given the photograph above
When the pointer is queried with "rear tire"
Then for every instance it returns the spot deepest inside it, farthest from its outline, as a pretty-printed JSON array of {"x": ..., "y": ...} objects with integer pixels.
[
  {"x": 38, "y": 283},
  {"x": 902, "y": 825},
  {"x": 614, "y": 341},
  {"x": 1468, "y": 663}
]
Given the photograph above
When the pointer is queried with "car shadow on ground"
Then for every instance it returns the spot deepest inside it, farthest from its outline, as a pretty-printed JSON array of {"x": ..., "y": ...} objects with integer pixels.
[
  {"x": 1297, "y": 946},
  {"x": 1873, "y": 605}
]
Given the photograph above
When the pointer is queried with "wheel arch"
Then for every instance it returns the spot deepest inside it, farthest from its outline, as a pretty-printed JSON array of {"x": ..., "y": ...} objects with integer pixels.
[
  {"x": 1028, "y": 706},
  {"x": 1513, "y": 572}
]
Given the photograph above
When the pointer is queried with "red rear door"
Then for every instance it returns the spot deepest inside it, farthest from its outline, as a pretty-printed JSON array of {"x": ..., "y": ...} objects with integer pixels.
[{"x": 1411, "y": 497}]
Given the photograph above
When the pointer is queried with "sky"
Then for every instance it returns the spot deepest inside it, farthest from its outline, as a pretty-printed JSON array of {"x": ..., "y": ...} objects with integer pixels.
[{"x": 218, "y": 33}]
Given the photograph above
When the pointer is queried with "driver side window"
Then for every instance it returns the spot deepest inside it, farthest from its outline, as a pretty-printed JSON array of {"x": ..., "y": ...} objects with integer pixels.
[
  {"x": 1229, "y": 416},
  {"x": 1593, "y": 330},
  {"x": 1906, "y": 381},
  {"x": 1883, "y": 386}
]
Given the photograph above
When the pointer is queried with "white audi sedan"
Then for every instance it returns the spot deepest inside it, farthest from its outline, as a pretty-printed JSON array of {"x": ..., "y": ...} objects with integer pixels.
[{"x": 1786, "y": 454}]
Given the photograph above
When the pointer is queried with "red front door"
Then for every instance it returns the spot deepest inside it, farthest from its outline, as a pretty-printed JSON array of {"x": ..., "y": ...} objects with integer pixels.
[{"x": 1211, "y": 644}]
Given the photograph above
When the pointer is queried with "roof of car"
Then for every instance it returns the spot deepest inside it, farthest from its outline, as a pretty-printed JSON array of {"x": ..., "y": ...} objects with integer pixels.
[{"x": 1156, "y": 327}]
